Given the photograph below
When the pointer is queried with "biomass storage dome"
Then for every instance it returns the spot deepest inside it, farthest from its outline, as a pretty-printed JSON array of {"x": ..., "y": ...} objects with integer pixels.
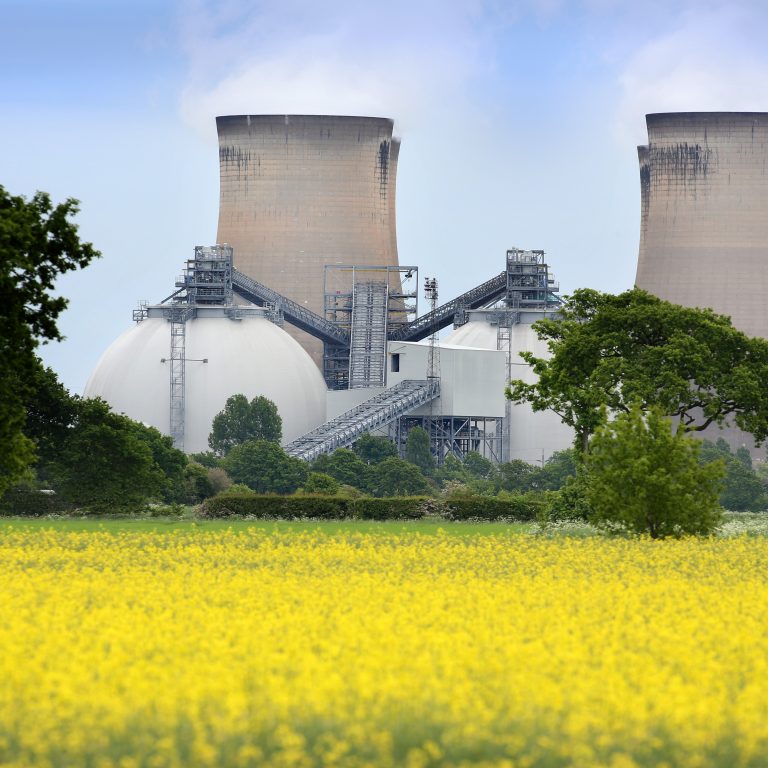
[
  {"x": 251, "y": 356},
  {"x": 533, "y": 436},
  {"x": 704, "y": 213},
  {"x": 298, "y": 192}
]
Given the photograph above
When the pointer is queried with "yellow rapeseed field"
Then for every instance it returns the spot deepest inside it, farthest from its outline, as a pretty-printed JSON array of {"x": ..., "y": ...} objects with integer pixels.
[{"x": 304, "y": 649}]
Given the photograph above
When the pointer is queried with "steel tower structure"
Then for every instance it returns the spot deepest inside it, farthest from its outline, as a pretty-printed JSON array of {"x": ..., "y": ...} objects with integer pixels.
[{"x": 299, "y": 192}]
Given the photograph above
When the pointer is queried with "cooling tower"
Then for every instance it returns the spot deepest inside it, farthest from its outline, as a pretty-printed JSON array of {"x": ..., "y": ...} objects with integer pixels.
[
  {"x": 302, "y": 191},
  {"x": 704, "y": 213}
]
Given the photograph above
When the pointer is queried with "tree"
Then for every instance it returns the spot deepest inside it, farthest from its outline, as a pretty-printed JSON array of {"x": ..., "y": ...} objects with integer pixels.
[
  {"x": 109, "y": 463},
  {"x": 615, "y": 350},
  {"x": 241, "y": 421},
  {"x": 373, "y": 449},
  {"x": 265, "y": 467},
  {"x": 418, "y": 450},
  {"x": 319, "y": 482},
  {"x": 396, "y": 477},
  {"x": 556, "y": 470},
  {"x": 344, "y": 466},
  {"x": 478, "y": 466},
  {"x": 742, "y": 488},
  {"x": 38, "y": 242},
  {"x": 643, "y": 477}
]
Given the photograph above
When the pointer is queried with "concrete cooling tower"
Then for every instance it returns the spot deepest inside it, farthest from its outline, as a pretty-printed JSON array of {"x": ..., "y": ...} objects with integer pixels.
[
  {"x": 302, "y": 191},
  {"x": 704, "y": 213},
  {"x": 250, "y": 355}
]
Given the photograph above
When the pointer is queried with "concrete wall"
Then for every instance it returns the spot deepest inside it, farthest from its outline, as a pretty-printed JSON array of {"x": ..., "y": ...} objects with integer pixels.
[
  {"x": 299, "y": 192},
  {"x": 471, "y": 380},
  {"x": 704, "y": 213}
]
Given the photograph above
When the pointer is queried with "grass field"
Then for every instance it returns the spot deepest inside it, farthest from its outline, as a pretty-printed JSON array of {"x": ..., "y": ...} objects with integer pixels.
[{"x": 309, "y": 644}]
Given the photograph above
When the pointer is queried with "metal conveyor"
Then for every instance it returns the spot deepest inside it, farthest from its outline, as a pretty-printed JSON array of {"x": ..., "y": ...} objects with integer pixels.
[
  {"x": 380, "y": 410},
  {"x": 257, "y": 293}
]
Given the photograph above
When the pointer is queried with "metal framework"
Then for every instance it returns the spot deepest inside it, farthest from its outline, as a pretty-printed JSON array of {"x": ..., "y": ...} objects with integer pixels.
[
  {"x": 379, "y": 411},
  {"x": 453, "y": 435},
  {"x": 368, "y": 335},
  {"x": 367, "y": 303}
]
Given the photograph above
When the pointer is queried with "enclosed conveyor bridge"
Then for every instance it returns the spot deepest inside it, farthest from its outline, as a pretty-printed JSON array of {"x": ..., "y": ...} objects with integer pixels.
[
  {"x": 303, "y": 318},
  {"x": 378, "y": 411},
  {"x": 329, "y": 332},
  {"x": 444, "y": 315}
]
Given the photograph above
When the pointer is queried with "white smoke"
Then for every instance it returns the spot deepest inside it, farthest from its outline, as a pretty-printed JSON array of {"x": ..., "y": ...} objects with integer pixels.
[{"x": 712, "y": 58}]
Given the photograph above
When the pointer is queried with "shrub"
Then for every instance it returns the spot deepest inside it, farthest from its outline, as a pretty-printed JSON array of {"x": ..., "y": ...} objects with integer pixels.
[
  {"x": 265, "y": 467},
  {"x": 643, "y": 478},
  {"x": 521, "y": 507},
  {"x": 326, "y": 507},
  {"x": 320, "y": 483},
  {"x": 396, "y": 477},
  {"x": 25, "y": 501}
]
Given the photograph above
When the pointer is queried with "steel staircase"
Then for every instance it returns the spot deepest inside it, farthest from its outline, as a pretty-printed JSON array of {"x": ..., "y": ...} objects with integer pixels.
[
  {"x": 380, "y": 410},
  {"x": 368, "y": 338}
]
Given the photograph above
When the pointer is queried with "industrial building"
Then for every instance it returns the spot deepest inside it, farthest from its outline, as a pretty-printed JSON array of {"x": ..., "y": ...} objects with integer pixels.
[
  {"x": 307, "y": 247},
  {"x": 704, "y": 219}
]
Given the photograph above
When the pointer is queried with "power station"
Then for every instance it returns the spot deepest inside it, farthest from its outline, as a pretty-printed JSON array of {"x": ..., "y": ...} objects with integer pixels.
[{"x": 303, "y": 299}]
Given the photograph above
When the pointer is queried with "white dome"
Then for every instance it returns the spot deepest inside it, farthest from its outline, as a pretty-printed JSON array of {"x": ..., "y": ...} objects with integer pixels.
[
  {"x": 251, "y": 356},
  {"x": 532, "y": 435}
]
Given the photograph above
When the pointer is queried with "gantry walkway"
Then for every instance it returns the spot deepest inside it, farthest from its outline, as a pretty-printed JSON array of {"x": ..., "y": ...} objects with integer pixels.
[
  {"x": 258, "y": 293},
  {"x": 444, "y": 315},
  {"x": 379, "y": 411}
]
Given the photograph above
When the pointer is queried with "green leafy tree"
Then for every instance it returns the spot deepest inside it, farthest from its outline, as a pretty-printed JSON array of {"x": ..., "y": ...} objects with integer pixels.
[
  {"x": 107, "y": 463},
  {"x": 319, "y": 482},
  {"x": 397, "y": 477},
  {"x": 517, "y": 476},
  {"x": 373, "y": 449},
  {"x": 241, "y": 421},
  {"x": 644, "y": 478},
  {"x": 556, "y": 470},
  {"x": 615, "y": 350},
  {"x": 742, "y": 488},
  {"x": 418, "y": 450},
  {"x": 265, "y": 467},
  {"x": 346, "y": 467},
  {"x": 38, "y": 242},
  {"x": 478, "y": 466}
]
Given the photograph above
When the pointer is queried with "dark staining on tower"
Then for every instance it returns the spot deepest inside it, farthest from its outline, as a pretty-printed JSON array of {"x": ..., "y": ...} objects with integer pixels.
[
  {"x": 235, "y": 156},
  {"x": 383, "y": 167},
  {"x": 645, "y": 184},
  {"x": 686, "y": 162}
]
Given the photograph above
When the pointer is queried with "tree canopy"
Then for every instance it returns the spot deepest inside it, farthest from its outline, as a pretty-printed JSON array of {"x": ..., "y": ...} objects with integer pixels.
[
  {"x": 264, "y": 467},
  {"x": 38, "y": 243},
  {"x": 613, "y": 351},
  {"x": 241, "y": 421},
  {"x": 644, "y": 478}
]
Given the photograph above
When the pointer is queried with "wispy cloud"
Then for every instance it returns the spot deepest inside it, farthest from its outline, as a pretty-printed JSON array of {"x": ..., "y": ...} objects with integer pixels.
[
  {"x": 397, "y": 59},
  {"x": 712, "y": 58}
]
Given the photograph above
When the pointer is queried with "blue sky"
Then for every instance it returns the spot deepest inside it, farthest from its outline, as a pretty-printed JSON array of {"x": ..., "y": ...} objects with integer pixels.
[{"x": 519, "y": 122}]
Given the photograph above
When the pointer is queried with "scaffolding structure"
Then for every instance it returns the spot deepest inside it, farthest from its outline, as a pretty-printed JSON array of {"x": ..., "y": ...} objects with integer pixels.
[
  {"x": 205, "y": 282},
  {"x": 452, "y": 435},
  {"x": 367, "y": 304}
]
